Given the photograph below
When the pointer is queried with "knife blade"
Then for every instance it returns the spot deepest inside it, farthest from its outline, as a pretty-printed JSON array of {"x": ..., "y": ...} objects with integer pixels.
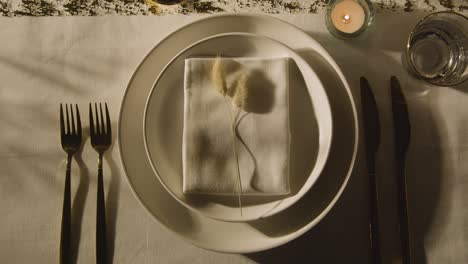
[
  {"x": 402, "y": 134},
  {"x": 372, "y": 141}
]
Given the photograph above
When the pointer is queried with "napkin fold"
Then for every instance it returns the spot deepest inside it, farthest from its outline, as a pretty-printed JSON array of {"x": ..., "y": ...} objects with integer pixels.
[{"x": 263, "y": 135}]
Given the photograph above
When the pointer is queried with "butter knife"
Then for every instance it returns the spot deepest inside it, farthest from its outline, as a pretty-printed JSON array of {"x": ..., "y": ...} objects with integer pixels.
[
  {"x": 372, "y": 142},
  {"x": 402, "y": 133}
]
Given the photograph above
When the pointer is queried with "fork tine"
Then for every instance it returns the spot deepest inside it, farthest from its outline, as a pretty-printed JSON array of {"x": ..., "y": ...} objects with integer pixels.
[
  {"x": 109, "y": 129},
  {"x": 78, "y": 120},
  {"x": 104, "y": 131},
  {"x": 68, "y": 120},
  {"x": 91, "y": 121},
  {"x": 72, "y": 120},
  {"x": 62, "y": 124},
  {"x": 98, "y": 126}
]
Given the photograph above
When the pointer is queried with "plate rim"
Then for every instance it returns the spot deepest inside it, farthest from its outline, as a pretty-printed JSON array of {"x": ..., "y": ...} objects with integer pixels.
[{"x": 336, "y": 196}]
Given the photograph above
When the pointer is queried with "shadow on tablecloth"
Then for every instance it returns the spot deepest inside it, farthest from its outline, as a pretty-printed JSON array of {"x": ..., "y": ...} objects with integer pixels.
[{"x": 341, "y": 237}]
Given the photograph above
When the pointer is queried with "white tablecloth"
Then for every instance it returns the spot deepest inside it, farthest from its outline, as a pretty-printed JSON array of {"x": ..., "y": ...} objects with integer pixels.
[{"x": 45, "y": 61}]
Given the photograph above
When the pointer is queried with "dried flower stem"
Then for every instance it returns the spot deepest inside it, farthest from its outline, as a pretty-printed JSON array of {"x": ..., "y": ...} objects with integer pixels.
[
  {"x": 234, "y": 147},
  {"x": 241, "y": 140},
  {"x": 218, "y": 77}
]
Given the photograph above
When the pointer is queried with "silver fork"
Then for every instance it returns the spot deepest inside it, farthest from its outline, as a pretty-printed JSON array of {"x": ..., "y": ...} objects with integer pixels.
[
  {"x": 71, "y": 143},
  {"x": 101, "y": 139}
]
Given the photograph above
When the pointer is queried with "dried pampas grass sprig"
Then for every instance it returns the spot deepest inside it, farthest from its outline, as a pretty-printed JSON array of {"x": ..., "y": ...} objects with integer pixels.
[
  {"x": 241, "y": 93},
  {"x": 218, "y": 76}
]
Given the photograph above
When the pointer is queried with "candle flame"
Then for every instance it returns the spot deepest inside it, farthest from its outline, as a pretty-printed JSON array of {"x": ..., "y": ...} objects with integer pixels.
[{"x": 346, "y": 19}]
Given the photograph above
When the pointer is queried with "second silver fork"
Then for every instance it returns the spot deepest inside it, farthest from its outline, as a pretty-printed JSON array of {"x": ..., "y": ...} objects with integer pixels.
[{"x": 101, "y": 139}]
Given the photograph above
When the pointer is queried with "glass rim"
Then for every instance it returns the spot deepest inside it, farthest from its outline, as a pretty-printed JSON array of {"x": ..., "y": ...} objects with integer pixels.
[{"x": 408, "y": 46}]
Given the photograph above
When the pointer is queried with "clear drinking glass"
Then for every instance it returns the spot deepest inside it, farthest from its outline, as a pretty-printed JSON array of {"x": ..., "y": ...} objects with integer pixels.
[{"x": 437, "y": 49}]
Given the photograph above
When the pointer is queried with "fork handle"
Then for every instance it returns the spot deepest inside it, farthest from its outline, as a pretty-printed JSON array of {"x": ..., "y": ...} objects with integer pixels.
[
  {"x": 65, "y": 254},
  {"x": 101, "y": 242}
]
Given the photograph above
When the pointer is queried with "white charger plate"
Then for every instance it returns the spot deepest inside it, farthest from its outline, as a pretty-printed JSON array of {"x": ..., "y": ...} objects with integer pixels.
[
  {"x": 311, "y": 135},
  {"x": 264, "y": 233}
]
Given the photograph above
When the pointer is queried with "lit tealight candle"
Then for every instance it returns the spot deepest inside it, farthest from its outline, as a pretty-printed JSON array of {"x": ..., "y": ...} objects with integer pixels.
[{"x": 348, "y": 16}]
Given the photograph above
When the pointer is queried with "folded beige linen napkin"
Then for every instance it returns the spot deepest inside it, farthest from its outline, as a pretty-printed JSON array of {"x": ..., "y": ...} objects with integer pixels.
[{"x": 263, "y": 136}]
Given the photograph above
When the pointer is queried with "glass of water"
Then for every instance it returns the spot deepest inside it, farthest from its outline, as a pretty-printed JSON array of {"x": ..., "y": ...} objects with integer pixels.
[{"x": 437, "y": 49}]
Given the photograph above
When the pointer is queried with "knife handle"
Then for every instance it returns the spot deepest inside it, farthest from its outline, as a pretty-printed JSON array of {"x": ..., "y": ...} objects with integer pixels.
[
  {"x": 403, "y": 211},
  {"x": 374, "y": 238}
]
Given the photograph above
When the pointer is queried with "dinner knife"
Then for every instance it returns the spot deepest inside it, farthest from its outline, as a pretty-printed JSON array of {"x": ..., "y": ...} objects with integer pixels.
[
  {"x": 372, "y": 141},
  {"x": 402, "y": 134}
]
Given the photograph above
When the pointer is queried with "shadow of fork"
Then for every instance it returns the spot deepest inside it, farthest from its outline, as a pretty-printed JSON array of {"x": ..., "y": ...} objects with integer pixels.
[
  {"x": 78, "y": 204},
  {"x": 112, "y": 200}
]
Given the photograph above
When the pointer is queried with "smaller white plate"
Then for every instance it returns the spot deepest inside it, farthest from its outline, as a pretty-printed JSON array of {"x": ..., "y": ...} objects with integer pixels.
[{"x": 311, "y": 128}]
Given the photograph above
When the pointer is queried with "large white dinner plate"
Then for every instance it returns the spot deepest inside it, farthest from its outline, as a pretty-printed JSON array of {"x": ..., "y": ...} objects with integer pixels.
[
  {"x": 261, "y": 234},
  {"x": 311, "y": 135}
]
